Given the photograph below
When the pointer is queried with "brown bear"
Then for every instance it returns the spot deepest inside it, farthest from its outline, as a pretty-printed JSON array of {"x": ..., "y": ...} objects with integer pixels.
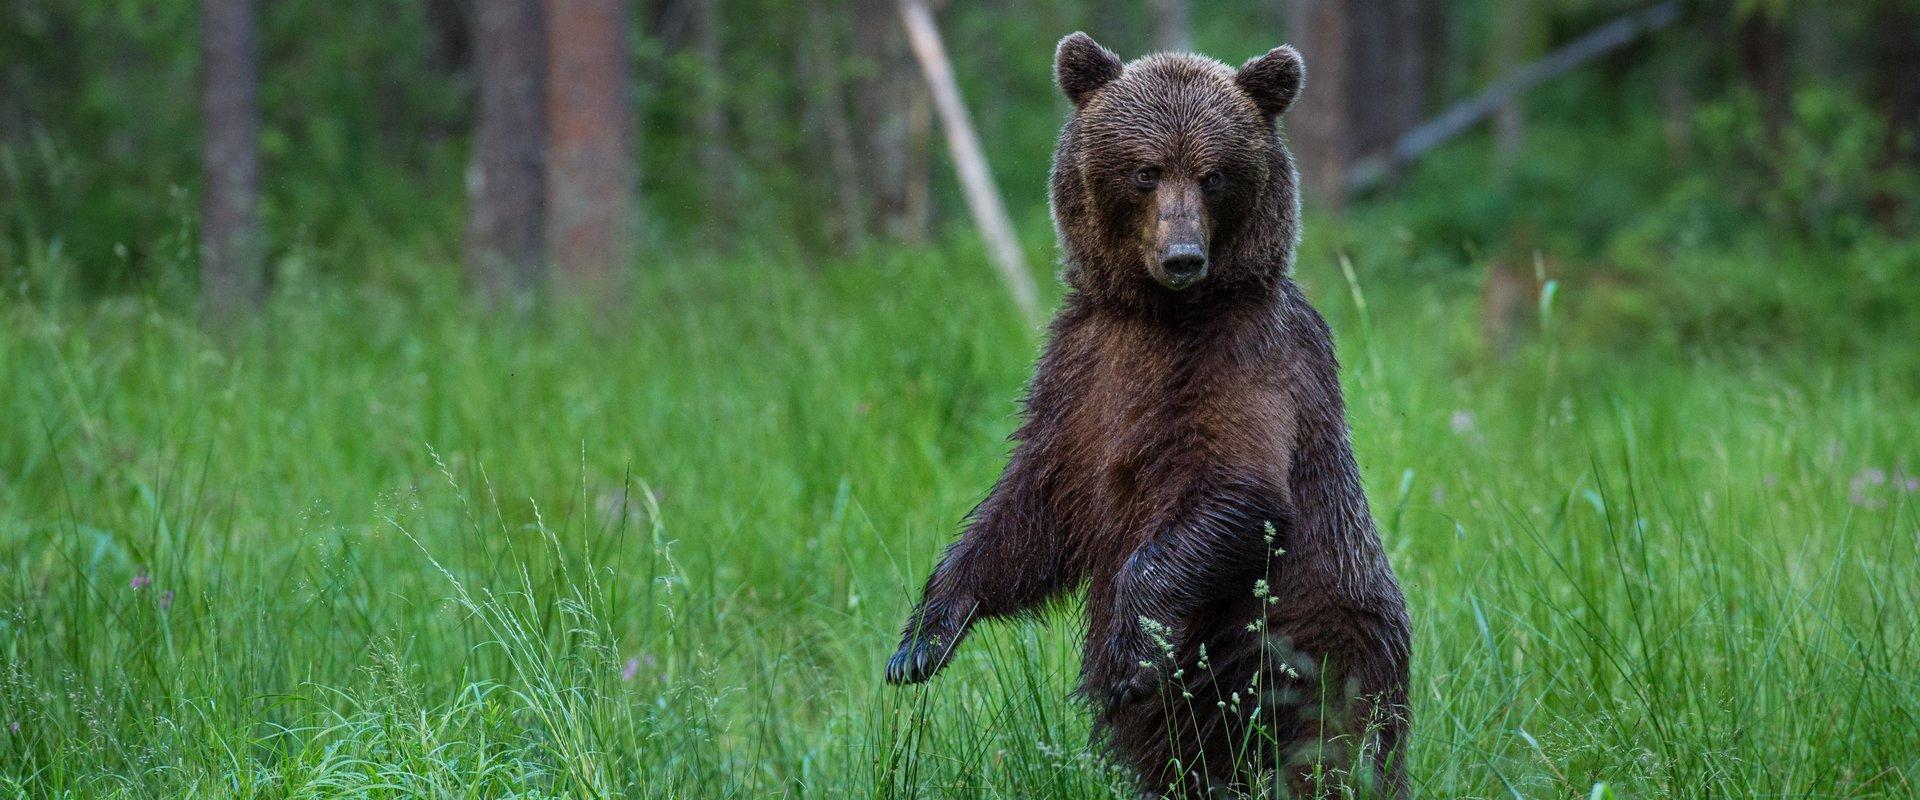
[{"x": 1185, "y": 455}]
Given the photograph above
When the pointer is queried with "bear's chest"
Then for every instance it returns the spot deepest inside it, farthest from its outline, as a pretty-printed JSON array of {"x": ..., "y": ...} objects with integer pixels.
[{"x": 1150, "y": 424}]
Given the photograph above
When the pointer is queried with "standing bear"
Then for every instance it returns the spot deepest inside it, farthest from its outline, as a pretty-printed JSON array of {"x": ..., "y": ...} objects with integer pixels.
[{"x": 1185, "y": 456}]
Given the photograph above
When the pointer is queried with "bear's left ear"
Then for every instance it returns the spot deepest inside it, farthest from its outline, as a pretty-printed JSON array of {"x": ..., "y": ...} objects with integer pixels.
[{"x": 1272, "y": 80}]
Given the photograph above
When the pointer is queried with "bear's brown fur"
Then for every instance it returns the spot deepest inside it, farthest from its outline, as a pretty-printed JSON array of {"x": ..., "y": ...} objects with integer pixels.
[{"x": 1187, "y": 406}]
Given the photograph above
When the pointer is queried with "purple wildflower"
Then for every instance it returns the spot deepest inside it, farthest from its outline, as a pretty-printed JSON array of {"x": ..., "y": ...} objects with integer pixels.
[
  {"x": 166, "y": 599},
  {"x": 1863, "y": 485},
  {"x": 1464, "y": 422},
  {"x": 140, "y": 581},
  {"x": 13, "y": 727},
  {"x": 632, "y": 669}
]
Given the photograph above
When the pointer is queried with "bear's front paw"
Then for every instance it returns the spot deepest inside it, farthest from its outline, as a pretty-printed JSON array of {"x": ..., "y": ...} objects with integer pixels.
[
  {"x": 1139, "y": 657},
  {"x": 1142, "y": 683},
  {"x": 918, "y": 659}
]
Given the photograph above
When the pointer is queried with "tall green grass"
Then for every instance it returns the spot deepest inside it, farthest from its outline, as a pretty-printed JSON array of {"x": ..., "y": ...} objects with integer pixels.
[{"x": 382, "y": 544}]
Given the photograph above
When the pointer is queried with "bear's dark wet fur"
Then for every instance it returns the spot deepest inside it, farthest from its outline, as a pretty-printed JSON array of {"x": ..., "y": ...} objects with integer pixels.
[{"x": 1187, "y": 403}]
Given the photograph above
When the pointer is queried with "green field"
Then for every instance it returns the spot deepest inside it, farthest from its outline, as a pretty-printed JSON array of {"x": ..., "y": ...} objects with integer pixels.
[{"x": 383, "y": 544}]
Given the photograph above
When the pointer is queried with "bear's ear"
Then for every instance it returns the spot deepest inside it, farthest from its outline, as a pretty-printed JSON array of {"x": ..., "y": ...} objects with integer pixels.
[
  {"x": 1272, "y": 80},
  {"x": 1082, "y": 66}
]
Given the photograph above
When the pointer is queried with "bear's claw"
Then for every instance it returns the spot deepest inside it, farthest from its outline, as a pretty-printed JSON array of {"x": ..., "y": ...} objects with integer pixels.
[{"x": 917, "y": 660}]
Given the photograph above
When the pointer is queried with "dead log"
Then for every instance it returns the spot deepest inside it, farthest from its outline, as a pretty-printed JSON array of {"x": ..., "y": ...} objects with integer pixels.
[
  {"x": 1373, "y": 170},
  {"x": 976, "y": 180}
]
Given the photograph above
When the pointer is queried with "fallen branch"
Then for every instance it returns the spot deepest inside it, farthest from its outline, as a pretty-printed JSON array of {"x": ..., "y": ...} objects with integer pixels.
[{"x": 1371, "y": 171}]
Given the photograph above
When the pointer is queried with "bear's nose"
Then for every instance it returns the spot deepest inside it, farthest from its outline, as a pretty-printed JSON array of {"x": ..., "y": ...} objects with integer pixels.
[{"x": 1183, "y": 264}]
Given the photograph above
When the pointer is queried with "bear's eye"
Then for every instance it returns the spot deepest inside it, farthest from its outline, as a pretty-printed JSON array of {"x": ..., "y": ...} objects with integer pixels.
[
  {"x": 1212, "y": 182},
  {"x": 1146, "y": 179}
]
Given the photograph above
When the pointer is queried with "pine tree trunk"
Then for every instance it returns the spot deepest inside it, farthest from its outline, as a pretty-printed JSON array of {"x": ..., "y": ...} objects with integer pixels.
[
  {"x": 893, "y": 158},
  {"x": 591, "y": 168},
  {"x": 231, "y": 247},
  {"x": 1896, "y": 76},
  {"x": 827, "y": 107},
  {"x": 716, "y": 161},
  {"x": 1370, "y": 68},
  {"x": 1320, "y": 129},
  {"x": 506, "y": 181},
  {"x": 1895, "y": 87},
  {"x": 1763, "y": 65},
  {"x": 1512, "y": 44}
]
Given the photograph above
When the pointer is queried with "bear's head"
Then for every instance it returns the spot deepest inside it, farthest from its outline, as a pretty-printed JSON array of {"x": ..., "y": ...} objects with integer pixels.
[{"x": 1170, "y": 185}]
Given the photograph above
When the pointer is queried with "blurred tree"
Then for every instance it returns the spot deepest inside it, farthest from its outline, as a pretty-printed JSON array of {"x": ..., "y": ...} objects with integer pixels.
[
  {"x": 827, "y": 109},
  {"x": 591, "y": 159},
  {"x": 716, "y": 164},
  {"x": 1369, "y": 67},
  {"x": 1515, "y": 36},
  {"x": 1896, "y": 75},
  {"x": 450, "y": 39},
  {"x": 1318, "y": 129},
  {"x": 1172, "y": 25},
  {"x": 1763, "y": 66},
  {"x": 231, "y": 244},
  {"x": 506, "y": 182},
  {"x": 1895, "y": 89},
  {"x": 1410, "y": 48},
  {"x": 892, "y": 123}
]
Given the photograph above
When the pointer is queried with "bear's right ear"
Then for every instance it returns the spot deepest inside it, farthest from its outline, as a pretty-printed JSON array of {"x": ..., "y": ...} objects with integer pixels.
[
  {"x": 1082, "y": 66},
  {"x": 1272, "y": 80}
]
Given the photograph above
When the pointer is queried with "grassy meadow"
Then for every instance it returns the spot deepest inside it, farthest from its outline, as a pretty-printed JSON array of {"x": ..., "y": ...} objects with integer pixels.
[{"x": 382, "y": 544}]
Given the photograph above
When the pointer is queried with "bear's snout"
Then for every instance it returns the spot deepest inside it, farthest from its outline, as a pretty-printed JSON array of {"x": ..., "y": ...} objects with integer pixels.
[
  {"x": 1180, "y": 235},
  {"x": 1181, "y": 265}
]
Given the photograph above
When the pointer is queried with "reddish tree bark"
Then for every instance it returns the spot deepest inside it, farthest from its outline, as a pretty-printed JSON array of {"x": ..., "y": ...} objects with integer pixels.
[
  {"x": 506, "y": 182},
  {"x": 591, "y": 169},
  {"x": 230, "y": 241}
]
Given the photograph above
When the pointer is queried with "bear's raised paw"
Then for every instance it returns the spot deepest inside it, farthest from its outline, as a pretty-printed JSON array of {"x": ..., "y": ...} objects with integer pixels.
[{"x": 917, "y": 660}]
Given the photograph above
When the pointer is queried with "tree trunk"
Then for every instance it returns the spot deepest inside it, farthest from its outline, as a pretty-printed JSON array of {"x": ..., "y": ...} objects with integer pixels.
[
  {"x": 1370, "y": 68},
  {"x": 716, "y": 162},
  {"x": 1896, "y": 90},
  {"x": 1763, "y": 65},
  {"x": 1512, "y": 45},
  {"x": 450, "y": 31},
  {"x": 1319, "y": 130},
  {"x": 884, "y": 95},
  {"x": 827, "y": 107},
  {"x": 1407, "y": 56},
  {"x": 506, "y": 181},
  {"x": 591, "y": 169},
  {"x": 1896, "y": 77},
  {"x": 231, "y": 247},
  {"x": 976, "y": 180},
  {"x": 1172, "y": 25}
]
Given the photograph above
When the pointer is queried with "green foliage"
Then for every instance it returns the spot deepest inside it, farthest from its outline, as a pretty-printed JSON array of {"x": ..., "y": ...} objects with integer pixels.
[
  {"x": 1827, "y": 177},
  {"x": 383, "y": 546}
]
